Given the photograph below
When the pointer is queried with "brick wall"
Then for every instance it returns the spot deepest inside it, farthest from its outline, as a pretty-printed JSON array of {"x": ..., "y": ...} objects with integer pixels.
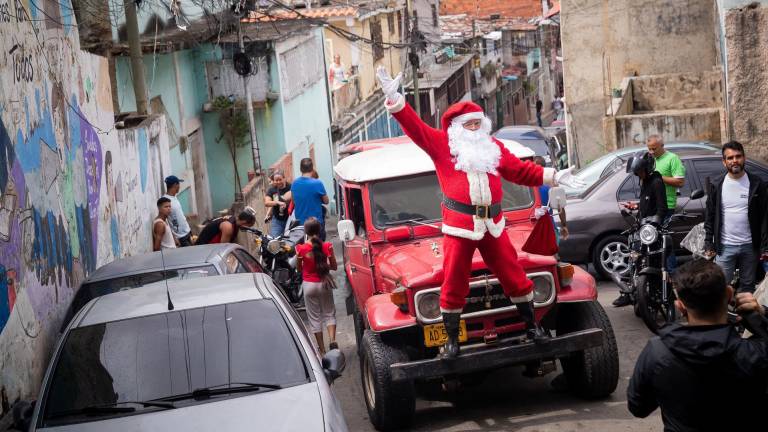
[{"x": 484, "y": 8}]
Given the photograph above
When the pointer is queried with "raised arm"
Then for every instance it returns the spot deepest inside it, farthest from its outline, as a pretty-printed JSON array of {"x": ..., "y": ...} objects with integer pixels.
[{"x": 523, "y": 173}]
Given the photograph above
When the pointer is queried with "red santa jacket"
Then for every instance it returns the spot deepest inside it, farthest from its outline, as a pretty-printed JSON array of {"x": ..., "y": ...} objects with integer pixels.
[{"x": 476, "y": 188}]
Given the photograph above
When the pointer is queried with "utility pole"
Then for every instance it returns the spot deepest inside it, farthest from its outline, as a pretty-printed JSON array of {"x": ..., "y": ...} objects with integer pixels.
[
  {"x": 413, "y": 57},
  {"x": 249, "y": 109},
  {"x": 137, "y": 65}
]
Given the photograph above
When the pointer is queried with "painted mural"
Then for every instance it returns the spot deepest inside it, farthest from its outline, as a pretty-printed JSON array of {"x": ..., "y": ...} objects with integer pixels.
[{"x": 75, "y": 193}]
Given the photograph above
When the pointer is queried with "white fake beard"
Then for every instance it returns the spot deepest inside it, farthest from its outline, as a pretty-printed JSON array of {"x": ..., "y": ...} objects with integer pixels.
[{"x": 474, "y": 150}]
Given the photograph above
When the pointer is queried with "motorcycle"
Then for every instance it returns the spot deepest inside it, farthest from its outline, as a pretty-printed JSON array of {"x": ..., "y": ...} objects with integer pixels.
[
  {"x": 647, "y": 281},
  {"x": 278, "y": 256}
]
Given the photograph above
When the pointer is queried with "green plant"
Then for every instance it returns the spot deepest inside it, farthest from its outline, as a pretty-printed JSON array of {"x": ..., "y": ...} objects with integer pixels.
[
  {"x": 234, "y": 131},
  {"x": 488, "y": 71}
]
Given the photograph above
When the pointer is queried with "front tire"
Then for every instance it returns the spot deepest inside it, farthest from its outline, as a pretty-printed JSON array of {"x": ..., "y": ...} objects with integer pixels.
[
  {"x": 653, "y": 312},
  {"x": 390, "y": 405},
  {"x": 594, "y": 372},
  {"x": 611, "y": 256}
]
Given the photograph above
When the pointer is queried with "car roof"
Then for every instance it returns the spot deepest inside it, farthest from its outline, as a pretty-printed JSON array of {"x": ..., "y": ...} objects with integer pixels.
[
  {"x": 154, "y": 261},
  {"x": 185, "y": 294},
  {"x": 394, "y": 161},
  {"x": 523, "y": 132}
]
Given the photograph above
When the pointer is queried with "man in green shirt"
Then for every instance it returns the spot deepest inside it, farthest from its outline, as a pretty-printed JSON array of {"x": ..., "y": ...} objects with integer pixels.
[{"x": 672, "y": 173}]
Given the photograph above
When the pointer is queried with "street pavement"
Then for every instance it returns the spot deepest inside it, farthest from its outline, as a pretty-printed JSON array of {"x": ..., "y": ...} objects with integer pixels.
[{"x": 505, "y": 400}]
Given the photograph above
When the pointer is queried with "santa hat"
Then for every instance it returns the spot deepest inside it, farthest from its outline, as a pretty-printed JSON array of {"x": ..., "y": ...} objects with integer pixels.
[{"x": 462, "y": 112}]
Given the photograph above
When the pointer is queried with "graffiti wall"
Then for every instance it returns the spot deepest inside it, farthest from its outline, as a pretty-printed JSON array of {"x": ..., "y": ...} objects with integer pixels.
[{"x": 75, "y": 192}]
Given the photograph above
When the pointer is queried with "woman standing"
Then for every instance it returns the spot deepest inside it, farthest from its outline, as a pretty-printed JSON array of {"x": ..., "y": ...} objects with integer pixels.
[
  {"x": 316, "y": 260},
  {"x": 276, "y": 200}
]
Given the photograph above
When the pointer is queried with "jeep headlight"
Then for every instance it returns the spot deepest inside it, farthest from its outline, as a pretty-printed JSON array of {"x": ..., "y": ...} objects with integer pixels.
[
  {"x": 274, "y": 246},
  {"x": 429, "y": 305},
  {"x": 648, "y": 234},
  {"x": 542, "y": 289}
]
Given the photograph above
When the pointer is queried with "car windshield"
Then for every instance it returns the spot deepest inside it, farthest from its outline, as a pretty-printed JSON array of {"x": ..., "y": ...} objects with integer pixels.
[
  {"x": 90, "y": 290},
  {"x": 540, "y": 147},
  {"x": 418, "y": 198},
  {"x": 170, "y": 354}
]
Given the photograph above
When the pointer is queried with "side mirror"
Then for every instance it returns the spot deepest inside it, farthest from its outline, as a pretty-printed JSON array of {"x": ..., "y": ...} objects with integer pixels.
[
  {"x": 334, "y": 363},
  {"x": 346, "y": 230},
  {"x": 557, "y": 198},
  {"x": 629, "y": 164},
  {"x": 696, "y": 194},
  {"x": 22, "y": 414}
]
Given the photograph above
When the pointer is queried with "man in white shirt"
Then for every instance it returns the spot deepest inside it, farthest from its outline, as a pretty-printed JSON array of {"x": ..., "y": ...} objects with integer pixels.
[
  {"x": 735, "y": 218},
  {"x": 177, "y": 220}
]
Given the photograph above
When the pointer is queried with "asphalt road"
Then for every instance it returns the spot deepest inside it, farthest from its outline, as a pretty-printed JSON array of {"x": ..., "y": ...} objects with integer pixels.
[{"x": 507, "y": 401}]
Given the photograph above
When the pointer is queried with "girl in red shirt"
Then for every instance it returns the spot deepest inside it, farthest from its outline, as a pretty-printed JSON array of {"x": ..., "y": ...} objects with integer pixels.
[{"x": 315, "y": 262}]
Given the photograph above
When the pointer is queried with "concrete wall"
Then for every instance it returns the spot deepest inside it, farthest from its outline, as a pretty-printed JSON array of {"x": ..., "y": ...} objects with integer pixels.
[
  {"x": 625, "y": 37},
  {"x": 680, "y": 125},
  {"x": 75, "y": 192},
  {"x": 746, "y": 48},
  {"x": 677, "y": 91}
]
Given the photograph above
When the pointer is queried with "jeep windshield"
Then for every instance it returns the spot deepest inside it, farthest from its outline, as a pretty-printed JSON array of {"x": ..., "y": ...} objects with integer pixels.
[{"x": 418, "y": 198}]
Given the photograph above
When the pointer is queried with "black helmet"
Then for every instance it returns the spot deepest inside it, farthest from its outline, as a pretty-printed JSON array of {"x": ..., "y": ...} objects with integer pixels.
[{"x": 645, "y": 163}]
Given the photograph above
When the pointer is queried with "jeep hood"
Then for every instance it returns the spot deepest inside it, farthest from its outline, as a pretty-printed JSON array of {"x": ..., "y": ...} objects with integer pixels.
[{"x": 419, "y": 263}]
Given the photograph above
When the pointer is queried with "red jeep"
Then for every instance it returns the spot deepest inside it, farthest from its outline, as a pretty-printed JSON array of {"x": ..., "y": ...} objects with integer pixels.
[{"x": 389, "y": 202}]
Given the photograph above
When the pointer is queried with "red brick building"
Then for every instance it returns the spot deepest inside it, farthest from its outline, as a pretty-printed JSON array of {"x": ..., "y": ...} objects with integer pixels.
[{"x": 486, "y": 8}]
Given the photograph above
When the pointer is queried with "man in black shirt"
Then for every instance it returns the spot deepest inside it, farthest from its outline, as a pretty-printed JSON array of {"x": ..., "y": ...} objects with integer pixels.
[
  {"x": 703, "y": 375},
  {"x": 277, "y": 199},
  {"x": 653, "y": 200},
  {"x": 225, "y": 229}
]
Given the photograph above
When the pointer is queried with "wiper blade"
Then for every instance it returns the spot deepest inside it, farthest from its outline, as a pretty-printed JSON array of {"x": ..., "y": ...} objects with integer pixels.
[
  {"x": 112, "y": 408},
  {"x": 404, "y": 221},
  {"x": 226, "y": 388}
]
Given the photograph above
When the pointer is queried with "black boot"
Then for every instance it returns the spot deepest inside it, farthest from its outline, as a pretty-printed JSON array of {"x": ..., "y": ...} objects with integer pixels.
[
  {"x": 451, "y": 347},
  {"x": 533, "y": 330}
]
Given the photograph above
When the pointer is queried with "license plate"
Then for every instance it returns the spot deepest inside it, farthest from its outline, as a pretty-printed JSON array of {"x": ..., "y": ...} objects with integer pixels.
[{"x": 435, "y": 334}]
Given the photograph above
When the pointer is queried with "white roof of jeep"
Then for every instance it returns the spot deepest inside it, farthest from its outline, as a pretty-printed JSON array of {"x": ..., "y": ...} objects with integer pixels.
[{"x": 400, "y": 160}]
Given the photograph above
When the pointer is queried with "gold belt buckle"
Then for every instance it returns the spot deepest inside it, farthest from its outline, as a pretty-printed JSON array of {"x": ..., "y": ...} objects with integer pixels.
[{"x": 486, "y": 210}]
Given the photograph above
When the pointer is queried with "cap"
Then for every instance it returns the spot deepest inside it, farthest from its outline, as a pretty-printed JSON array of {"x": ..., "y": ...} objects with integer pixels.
[{"x": 172, "y": 180}]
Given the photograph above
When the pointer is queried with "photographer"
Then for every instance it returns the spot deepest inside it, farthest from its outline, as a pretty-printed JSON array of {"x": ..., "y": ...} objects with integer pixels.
[{"x": 703, "y": 376}]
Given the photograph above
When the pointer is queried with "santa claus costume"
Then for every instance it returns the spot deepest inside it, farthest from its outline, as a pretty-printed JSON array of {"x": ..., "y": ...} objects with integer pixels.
[{"x": 470, "y": 165}]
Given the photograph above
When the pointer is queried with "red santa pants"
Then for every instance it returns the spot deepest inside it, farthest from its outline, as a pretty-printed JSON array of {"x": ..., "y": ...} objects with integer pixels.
[{"x": 500, "y": 257}]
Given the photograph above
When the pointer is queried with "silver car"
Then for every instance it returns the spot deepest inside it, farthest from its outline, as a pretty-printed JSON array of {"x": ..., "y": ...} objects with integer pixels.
[
  {"x": 224, "y": 353},
  {"x": 180, "y": 263}
]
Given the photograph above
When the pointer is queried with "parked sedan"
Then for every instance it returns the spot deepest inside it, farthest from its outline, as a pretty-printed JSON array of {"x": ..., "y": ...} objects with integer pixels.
[
  {"x": 606, "y": 164},
  {"x": 224, "y": 353},
  {"x": 173, "y": 264},
  {"x": 595, "y": 221},
  {"x": 532, "y": 137}
]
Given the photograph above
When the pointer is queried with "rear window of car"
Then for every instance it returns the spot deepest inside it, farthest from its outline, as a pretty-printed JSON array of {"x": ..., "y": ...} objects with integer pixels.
[
  {"x": 91, "y": 290},
  {"x": 120, "y": 363}
]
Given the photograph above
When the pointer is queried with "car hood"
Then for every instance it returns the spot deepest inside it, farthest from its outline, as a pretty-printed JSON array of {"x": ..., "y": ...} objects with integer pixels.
[
  {"x": 420, "y": 263},
  {"x": 295, "y": 408}
]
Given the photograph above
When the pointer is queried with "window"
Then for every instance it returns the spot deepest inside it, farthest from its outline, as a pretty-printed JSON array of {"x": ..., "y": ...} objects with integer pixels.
[
  {"x": 249, "y": 262},
  {"x": 391, "y": 24},
  {"x": 170, "y": 354},
  {"x": 630, "y": 189},
  {"x": 758, "y": 171},
  {"x": 707, "y": 171},
  {"x": 378, "y": 47},
  {"x": 435, "y": 23},
  {"x": 400, "y": 25},
  {"x": 233, "y": 265},
  {"x": 357, "y": 211}
]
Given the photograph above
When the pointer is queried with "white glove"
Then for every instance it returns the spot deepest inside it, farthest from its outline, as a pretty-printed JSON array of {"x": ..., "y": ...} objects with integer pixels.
[
  {"x": 389, "y": 85},
  {"x": 565, "y": 178},
  {"x": 538, "y": 212}
]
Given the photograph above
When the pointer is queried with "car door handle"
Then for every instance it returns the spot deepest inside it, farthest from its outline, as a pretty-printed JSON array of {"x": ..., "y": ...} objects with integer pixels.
[
  {"x": 353, "y": 269},
  {"x": 365, "y": 251}
]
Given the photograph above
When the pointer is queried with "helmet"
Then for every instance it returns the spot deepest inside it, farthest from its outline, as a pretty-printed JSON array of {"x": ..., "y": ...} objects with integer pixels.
[{"x": 645, "y": 163}]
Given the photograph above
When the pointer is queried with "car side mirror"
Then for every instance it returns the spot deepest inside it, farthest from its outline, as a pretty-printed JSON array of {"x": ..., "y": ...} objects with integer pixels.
[
  {"x": 334, "y": 363},
  {"x": 557, "y": 198},
  {"x": 629, "y": 164},
  {"x": 346, "y": 230},
  {"x": 696, "y": 194},
  {"x": 22, "y": 414}
]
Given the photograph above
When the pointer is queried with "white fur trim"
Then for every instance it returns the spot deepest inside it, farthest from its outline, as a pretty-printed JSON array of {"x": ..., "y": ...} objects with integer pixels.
[
  {"x": 495, "y": 229},
  {"x": 396, "y": 106},
  {"x": 451, "y": 310},
  {"x": 522, "y": 299},
  {"x": 461, "y": 119},
  {"x": 463, "y": 233},
  {"x": 549, "y": 176}
]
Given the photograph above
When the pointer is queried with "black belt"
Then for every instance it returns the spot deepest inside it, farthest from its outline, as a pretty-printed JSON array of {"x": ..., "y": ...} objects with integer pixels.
[{"x": 481, "y": 211}]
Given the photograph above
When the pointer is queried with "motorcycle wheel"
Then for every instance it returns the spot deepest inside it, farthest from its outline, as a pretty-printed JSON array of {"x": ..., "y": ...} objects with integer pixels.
[{"x": 653, "y": 311}]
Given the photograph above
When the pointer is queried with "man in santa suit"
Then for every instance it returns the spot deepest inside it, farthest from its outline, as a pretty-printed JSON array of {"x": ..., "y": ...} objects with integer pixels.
[{"x": 470, "y": 165}]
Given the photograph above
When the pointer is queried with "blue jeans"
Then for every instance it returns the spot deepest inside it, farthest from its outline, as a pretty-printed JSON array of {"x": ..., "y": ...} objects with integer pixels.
[
  {"x": 671, "y": 258},
  {"x": 742, "y": 257},
  {"x": 276, "y": 227}
]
